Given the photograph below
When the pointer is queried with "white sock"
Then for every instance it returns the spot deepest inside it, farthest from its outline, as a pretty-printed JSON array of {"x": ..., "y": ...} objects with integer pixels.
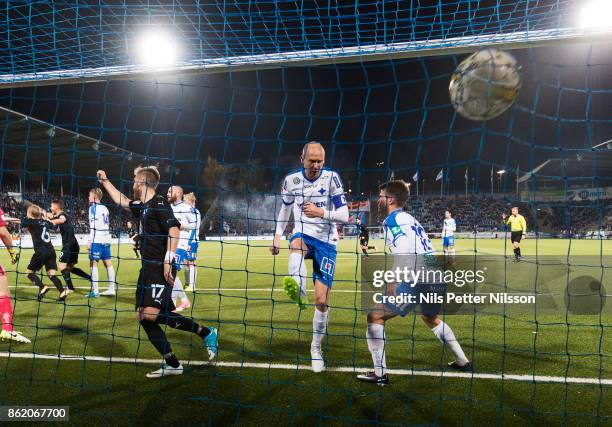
[
  {"x": 297, "y": 270},
  {"x": 193, "y": 274},
  {"x": 111, "y": 277},
  {"x": 94, "y": 279},
  {"x": 319, "y": 327},
  {"x": 375, "y": 334},
  {"x": 177, "y": 290},
  {"x": 446, "y": 336}
]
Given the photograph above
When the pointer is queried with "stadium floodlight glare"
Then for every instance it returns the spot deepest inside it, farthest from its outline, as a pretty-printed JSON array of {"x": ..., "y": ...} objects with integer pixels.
[
  {"x": 596, "y": 14},
  {"x": 157, "y": 49},
  {"x": 501, "y": 172}
]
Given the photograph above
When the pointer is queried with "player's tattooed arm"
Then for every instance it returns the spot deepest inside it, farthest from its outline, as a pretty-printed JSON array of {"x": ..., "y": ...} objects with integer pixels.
[{"x": 118, "y": 197}]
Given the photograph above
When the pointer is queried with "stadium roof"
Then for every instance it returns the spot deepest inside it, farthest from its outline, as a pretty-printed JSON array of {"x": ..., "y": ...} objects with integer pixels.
[
  {"x": 32, "y": 149},
  {"x": 578, "y": 167}
]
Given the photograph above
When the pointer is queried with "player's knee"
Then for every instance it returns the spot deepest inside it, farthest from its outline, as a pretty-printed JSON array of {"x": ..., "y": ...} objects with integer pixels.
[
  {"x": 149, "y": 314},
  {"x": 431, "y": 321}
]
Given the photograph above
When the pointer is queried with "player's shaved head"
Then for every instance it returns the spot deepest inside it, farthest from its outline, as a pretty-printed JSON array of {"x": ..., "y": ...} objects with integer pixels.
[
  {"x": 57, "y": 205},
  {"x": 175, "y": 193},
  {"x": 313, "y": 159}
]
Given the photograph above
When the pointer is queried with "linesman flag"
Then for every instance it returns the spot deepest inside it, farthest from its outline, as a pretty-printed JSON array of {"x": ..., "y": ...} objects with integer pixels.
[
  {"x": 415, "y": 177},
  {"x": 440, "y": 175}
]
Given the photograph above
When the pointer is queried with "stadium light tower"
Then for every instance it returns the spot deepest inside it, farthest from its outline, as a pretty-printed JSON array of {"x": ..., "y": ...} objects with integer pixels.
[
  {"x": 157, "y": 49},
  {"x": 596, "y": 14},
  {"x": 500, "y": 173}
]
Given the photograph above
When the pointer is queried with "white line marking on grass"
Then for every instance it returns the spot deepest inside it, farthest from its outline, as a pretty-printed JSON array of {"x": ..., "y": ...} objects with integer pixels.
[{"x": 306, "y": 367}]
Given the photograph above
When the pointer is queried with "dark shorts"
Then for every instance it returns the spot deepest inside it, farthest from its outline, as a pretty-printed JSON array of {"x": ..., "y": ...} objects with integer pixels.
[
  {"x": 42, "y": 258},
  {"x": 515, "y": 236},
  {"x": 363, "y": 241},
  {"x": 69, "y": 254},
  {"x": 152, "y": 289},
  {"x": 424, "y": 299}
]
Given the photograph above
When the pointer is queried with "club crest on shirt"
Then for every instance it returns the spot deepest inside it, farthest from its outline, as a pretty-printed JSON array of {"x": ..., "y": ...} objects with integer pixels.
[{"x": 296, "y": 180}]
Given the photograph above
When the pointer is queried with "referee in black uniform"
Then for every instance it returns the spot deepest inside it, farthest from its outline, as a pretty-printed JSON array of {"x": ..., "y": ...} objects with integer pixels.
[
  {"x": 159, "y": 238},
  {"x": 364, "y": 237}
]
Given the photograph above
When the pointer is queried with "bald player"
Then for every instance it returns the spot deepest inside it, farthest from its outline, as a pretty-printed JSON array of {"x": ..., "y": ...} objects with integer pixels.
[
  {"x": 189, "y": 222},
  {"x": 315, "y": 196},
  {"x": 192, "y": 254}
]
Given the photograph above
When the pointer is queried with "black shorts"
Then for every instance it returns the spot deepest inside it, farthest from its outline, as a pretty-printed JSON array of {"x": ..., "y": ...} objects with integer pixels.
[
  {"x": 364, "y": 240},
  {"x": 152, "y": 289},
  {"x": 42, "y": 258},
  {"x": 69, "y": 254},
  {"x": 515, "y": 236}
]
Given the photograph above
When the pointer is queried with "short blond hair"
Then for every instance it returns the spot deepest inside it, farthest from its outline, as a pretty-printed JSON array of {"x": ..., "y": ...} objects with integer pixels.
[
  {"x": 190, "y": 196},
  {"x": 35, "y": 211},
  {"x": 96, "y": 192},
  {"x": 150, "y": 174}
]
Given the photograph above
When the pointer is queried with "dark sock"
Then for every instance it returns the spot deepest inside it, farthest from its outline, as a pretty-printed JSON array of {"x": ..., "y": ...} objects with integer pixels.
[
  {"x": 81, "y": 273},
  {"x": 171, "y": 360},
  {"x": 35, "y": 280},
  {"x": 136, "y": 252},
  {"x": 182, "y": 323},
  {"x": 57, "y": 283},
  {"x": 518, "y": 251},
  {"x": 156, "y": 336},
  {"x": 67, "y": 279}
]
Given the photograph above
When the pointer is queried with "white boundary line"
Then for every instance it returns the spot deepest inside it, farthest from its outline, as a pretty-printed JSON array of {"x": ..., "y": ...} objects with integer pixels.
[{"x": 305, "y": 367}]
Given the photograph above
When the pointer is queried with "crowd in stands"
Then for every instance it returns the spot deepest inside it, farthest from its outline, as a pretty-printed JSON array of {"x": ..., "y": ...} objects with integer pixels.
[{"x": 474, "y": 213}]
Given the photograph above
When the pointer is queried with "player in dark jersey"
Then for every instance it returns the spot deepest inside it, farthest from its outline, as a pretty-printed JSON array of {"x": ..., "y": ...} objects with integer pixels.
[
  {"x": 44, "y": 254},
  {"x": 364, "y": 237},
  {"x": 70, "y": 246},
  {"x": 133, "y": 234},
  {"x": 159, "y": 239},
  {"x": 6, "y": 307}
]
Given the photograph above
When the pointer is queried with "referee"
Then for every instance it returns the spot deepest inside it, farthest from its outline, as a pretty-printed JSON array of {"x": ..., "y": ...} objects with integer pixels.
[
  {"x": 518, "y": 230},
  {"x": 364, "y": 237}
]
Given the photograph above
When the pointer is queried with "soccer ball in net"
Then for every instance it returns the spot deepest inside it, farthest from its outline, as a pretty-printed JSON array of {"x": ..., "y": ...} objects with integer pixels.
[{"x": 485, "y": 84}]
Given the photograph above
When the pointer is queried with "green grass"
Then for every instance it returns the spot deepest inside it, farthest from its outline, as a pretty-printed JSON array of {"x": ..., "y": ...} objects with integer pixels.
[{"x": 240, "y": 291}]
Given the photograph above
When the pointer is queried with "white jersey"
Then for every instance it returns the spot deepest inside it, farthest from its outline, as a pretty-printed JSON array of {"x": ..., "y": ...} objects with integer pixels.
[
  {"x": 99, "y": 231},
  {"x": 449, "y": 227},
  {"x": 189, "y": 219},
  {"x": 405, "y": 236},
  {"x": 325, "y": 192}
]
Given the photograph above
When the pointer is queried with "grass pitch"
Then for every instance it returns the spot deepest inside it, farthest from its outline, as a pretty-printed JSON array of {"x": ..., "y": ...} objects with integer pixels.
[{"x": 264, "y": 346}]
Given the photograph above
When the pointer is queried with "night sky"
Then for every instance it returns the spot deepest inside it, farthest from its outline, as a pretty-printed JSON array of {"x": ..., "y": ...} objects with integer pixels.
[{"x": 373, "y": 118}]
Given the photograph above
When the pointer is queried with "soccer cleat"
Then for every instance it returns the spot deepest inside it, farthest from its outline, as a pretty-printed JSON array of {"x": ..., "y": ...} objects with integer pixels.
[
  {"x": 371, "y": 377},
  {"x": 166, "y": 371},
  {"x": 13, "y": 336},
  {"x": 189, "y": 289},
  {"x": 43, "y": 291},
  {"x": 92, "y": 294},
  {"x": 464, "y": 368},
  {"x": 183, "y": 306},
  {"x": 63, "y": 294},
  {"x": 110, "y": 292},
  {"x": 316, "y": 355},
  {"x": 211, "y": 342},
  {"x": 293, "y": 291}
]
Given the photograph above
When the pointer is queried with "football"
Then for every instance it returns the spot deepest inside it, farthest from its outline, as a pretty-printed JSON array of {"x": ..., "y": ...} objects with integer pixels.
[{"x": 485, "y": 84}]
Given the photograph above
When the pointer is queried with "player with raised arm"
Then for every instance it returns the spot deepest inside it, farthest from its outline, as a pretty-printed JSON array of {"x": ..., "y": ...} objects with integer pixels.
[
  {"x": 188, "y": 223},
  {"x": 99, "y": 244},
  {"x": 160, "y": 235},
  {"x": 315, "y": 196},
  {"x": 6, "y": 306},
  {"x": 44, "y": 253},
  {"x": 518, "y": 230},
  {"x": 449, "y": 227},
  {"x": 404, "y": 237},
  {"x": 69, "y": 256},
  {"x": 194, "y": 239}
]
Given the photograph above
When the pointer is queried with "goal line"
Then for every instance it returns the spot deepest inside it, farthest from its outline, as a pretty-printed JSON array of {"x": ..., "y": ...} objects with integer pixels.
[{"x": 306, "y": 367}]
